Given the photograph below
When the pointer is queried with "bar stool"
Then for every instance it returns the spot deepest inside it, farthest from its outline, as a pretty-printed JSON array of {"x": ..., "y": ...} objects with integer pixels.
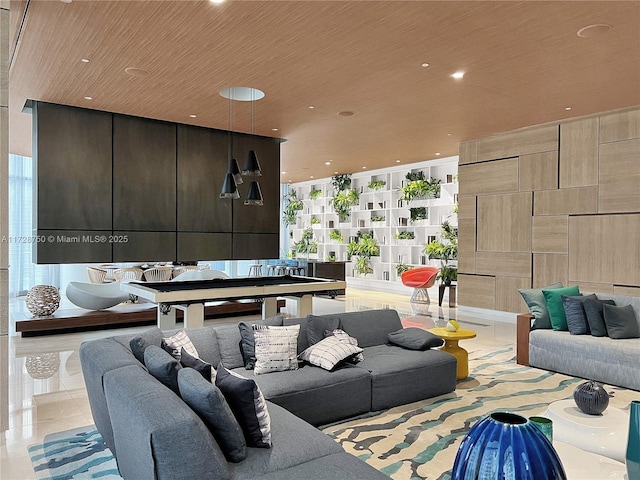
[
  {"x": 255, "y": 270},
  {"x": 271, "y": 269},
  {"x": 281, "y": 269},
  {"x": 295, "y": 270}
]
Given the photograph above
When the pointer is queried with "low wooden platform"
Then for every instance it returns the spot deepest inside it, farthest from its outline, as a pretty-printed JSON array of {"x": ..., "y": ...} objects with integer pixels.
[{"x": 127, "y": 315}]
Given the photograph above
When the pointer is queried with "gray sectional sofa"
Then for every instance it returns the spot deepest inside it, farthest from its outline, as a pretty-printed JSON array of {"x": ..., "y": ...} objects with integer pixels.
[
  {"x": 154, "y": 435},
  {"x": 606, "y": 360}
]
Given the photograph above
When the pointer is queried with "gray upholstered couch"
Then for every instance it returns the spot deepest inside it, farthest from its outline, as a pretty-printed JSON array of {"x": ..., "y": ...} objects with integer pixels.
[
  {"x": 606, "y": 360},
  {"x": 155, "y": 435}
]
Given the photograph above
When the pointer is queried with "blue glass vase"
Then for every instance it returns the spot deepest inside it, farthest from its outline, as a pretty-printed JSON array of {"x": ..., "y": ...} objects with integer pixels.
[
  {"x": 633, "y": 442},
  {"x": 506, "y": 446}
]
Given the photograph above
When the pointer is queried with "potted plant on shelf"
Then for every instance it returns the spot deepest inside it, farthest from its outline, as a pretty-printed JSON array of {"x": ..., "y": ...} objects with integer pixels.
[
  {"x": 405, "y": 235},
  {"x": 376, "y": 184},
  {"x": 363, "y": 248},
  {"x": 377, "y": 218},
  {"x": 341, "y": 182},
  {"x": 419, "y": 188},
  {"x": 342, "y": 203},
  {"x": 402, "y": 267},
  {"x": 417, "y": 213},
  {"x": 315, "y": 221},
  {"x": 336, "y": 236},
  {"x": 315, "y": 194},
  {"x": 290, "y": 212},
  {"x": 306, "y": 245},
  {"x": 445, "y": 250}
]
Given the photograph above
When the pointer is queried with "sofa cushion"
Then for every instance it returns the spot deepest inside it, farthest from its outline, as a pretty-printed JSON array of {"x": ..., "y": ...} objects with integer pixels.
[
  {"x": 205, "y": 342},
  {"x": 330, "y": 352},
  {"x": 139, "y": 343},
  {"x": 400, "y": 376},
  {"x": 621, "y": 321},
  {"x": 203, "y": 368},
  {"x": 162, "y": 366},
  {"x": 209, "y": 403},
  {"x": 303, "y": 342},
  {"x": 575, "y": 313},
  {"x": 553, "y": 298},
  {"x": 318, "y": 325},
  {"x": 176, "y": 342},
  {"x": 593, "y": 308},
  {"x": 248, "y": 405},
  {"x": 288, "y": 449},
  {"x": 371, "y": 327},
  {"x": 229, "y": 339},
  {"x": 276, "y": 348},
  {"x": 415, "y": 339},
  {"x": 536, "y": 304},
  {"x": 247, "y": 344},
  {"x": 316, "y": 395}
]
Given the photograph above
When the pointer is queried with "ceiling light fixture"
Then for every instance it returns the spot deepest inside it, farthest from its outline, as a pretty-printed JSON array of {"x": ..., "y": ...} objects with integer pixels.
[
  {"x": 327, "y": 163},
  {"x": 251, "y": 164},
  {"x": 84, "y": 60},
  {"x": 193, "y": 116},
  {"x": 88, "y": 98},
  {"x": 397, "y": 161},
  {"x": 424, "y": 65},
  {"x": 217, "y": 1},
  {"x": 458, "y": 75},
  {"x": 437, "y": 154},
  {"x": 345, "y": 113},
  {"x": 567, "y": 108},
  {"x": 594, "y": 30},
  {"x": 274, "y": 129},
  {"x": 232, "y": 178},
  {"x": 311, "y": 107},
  {"x": 137, "y": 72}
]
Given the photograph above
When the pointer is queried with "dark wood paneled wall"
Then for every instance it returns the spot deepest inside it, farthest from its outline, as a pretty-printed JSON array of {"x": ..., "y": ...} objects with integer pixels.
[{"x": 154, "y": 183}]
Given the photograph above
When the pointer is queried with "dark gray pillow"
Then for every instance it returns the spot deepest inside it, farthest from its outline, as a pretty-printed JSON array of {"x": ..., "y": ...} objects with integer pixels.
[
  {"x": 139, "y": 343},
  {"x": 621, "y": 321},
  {"x": 595, "y": 318},
  {"x": 534, "y": 298},
  {"x": 205, "y": 369},
  {"x": 317, "y": 326},
  {"x": 415, "y": 339},
  {"x": 248, "y": 343},
  {"x": 576, "y": 316},
  {"x": 163, "y": 366},
  {"x": 209, "y": 403}
]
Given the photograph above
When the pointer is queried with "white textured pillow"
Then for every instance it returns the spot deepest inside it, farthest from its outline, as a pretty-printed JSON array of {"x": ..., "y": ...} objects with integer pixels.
[
  {"x": 177, "y": 342},
  {"x": 276, "y": 348},
  {"x": 346, "y": 338},
  {"x": 329, "y": 352}
]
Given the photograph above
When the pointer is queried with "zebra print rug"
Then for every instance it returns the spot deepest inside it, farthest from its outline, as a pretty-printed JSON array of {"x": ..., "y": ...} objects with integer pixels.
[
  {"x": 420, "y": 440},
  {"x": 412, "y": 442}
]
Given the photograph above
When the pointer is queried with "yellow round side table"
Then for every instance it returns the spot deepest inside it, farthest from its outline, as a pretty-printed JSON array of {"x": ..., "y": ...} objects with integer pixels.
[{"x": 451, "y": 346}]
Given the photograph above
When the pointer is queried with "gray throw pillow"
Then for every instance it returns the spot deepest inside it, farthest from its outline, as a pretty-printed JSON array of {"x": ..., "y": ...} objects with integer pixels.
[
  {"x": 318, "y": 326},
  {"x": 534, "y": 298},
  {"x": 163, "y": 366},
  {"x": 248, "y": 343},
  {"x": 595, "y": 318},
  {"x": 209, "y": 403},
  {"x": 621, "y": 321},
  {"x": 415, "y": 339},
  {"x": 139, "y": 343},
  {"x": 576, "y": 316},
  {"x": 205, "y": 369}
]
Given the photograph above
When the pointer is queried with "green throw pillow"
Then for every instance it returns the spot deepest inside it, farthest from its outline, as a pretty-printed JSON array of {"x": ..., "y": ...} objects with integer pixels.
[
  {"x": 553, "y": 299},
  {"x": 536, "y": 304}
]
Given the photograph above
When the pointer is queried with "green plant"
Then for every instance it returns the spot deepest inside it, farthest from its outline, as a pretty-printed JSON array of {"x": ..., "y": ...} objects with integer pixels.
[
  {"x": 343, "y": 201},
  {"x": 445, "y": 250},
  {"x": 447, "y": 274},
  {"x": 417, "y": 213},
  {"x": 363, "y": 266},
  {"x": 377, "y": 218},
  {"x": 336, "y": 236},
  {"x": 363, "y": 248},
  {"x": 420, "y": 189},
  {"x": 402, "y": 267},
  {"x": 315, "y": 221},
  {"x": 331, "y": 258},
  {"x": 413, "y": 176},
  {"x": 290, "y": 212},
  {"x": 456, "y": 208},
  {"x": 315, "y": 194},
  {"x": 341, "y": 182},
  {"x": 306, "y": 244},
  {"x": 405, "y": 235},
  {"x": 376, "y": 184}
]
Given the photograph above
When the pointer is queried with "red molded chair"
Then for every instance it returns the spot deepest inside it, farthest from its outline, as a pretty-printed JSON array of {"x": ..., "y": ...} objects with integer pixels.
[{"x": 420, "y": 278}]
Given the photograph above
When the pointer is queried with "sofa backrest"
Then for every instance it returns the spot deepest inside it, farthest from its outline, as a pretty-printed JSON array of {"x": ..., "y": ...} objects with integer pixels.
[
  {"x": 622, "y": 300},
  {"x": 371, "y": 327}
]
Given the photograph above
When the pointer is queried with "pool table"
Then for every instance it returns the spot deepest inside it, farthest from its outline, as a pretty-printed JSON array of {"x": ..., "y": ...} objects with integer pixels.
[{"x": 190, "y": 296}]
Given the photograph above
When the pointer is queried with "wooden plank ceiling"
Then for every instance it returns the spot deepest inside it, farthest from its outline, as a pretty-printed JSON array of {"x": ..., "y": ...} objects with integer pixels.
[{"x": 523, "y": 61}]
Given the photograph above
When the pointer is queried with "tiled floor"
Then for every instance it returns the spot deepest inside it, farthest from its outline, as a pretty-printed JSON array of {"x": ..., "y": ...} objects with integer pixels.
[{"x": 46, "y": 391}]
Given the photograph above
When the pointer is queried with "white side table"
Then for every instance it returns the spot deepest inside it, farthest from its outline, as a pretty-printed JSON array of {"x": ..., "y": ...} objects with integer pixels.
[
  {"x": 604, "y": 434},
  {"x": 581, "y": 465}
]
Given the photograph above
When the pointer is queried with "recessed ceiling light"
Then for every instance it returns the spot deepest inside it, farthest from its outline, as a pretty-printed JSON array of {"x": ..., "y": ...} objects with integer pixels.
[
  {"x": 242, "y": 94},
  {"x": 449, "y": 134},
  {"x": 274, "y": 129},
  {"x": 594, "y": 30},
  {"x": 310, "y": 176},
  {"x": 424, "y": 65},
  {"x": 335, "y": 173},
  {"x": 84, "y": 60},
  {"x": 88, "y": 98},
  {"x": 458, "y": 75},
  {"x": 311, "y": 107},
  {"x": 327, "y": 163},
  {"x": 137, "y": 72},
  {"x": 345, "y": 113},
  {"x": 437, "y": 153},
  {"x": 217, "y": 1},
  {"x": 193, "y": 116},
  {"x": 66, "y": 1},
  {"x": 283, "y": 173},
  {"x": 289, "y": 180},
  {"x": 567, "y": 108},
  {"x": 397, "y": 161},
  {"x": 364, "y": 168}
]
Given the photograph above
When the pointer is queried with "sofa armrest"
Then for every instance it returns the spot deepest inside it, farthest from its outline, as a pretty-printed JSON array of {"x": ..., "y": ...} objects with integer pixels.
[{"x": 523, "y": 327}]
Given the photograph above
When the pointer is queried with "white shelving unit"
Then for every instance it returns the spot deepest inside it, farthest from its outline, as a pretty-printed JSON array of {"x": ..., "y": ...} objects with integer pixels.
[{"x": 383, "y": 203}]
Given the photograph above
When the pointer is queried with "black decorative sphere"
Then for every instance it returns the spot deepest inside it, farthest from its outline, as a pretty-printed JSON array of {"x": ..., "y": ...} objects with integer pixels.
[{"x": 591, "y": 397}]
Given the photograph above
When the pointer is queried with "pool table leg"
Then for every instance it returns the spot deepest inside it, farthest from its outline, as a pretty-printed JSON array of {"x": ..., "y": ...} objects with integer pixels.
[
  {"x": 305, "y": 305},
  {"x": 194, "y": 315},
  {"x": 269, "y": 307},
  {"x": 166, "y": 317}
]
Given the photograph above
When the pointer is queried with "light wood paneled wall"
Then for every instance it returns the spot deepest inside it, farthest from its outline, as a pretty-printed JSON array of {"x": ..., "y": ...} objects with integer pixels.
[{"x": 552, "y": 203}]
